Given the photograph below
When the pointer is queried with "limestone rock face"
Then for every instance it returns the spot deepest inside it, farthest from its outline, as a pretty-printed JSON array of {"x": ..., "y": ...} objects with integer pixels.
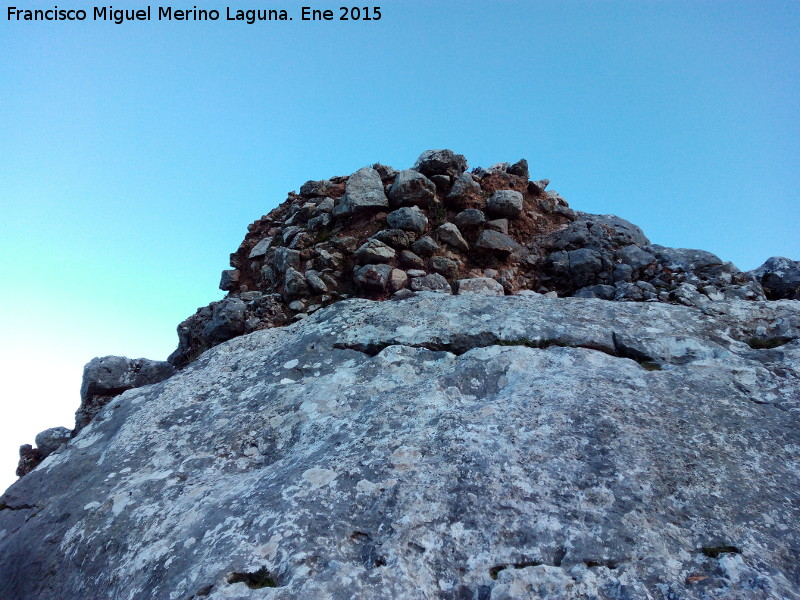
[{"x": 440, "y": 447}]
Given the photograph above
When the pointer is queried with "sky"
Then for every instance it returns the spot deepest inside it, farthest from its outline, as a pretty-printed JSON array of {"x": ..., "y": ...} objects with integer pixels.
[{"x": 133, "y": 156}]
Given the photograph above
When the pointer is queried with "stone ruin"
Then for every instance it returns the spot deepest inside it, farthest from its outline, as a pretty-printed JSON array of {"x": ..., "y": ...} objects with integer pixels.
[{"x": 382, "y": 233}]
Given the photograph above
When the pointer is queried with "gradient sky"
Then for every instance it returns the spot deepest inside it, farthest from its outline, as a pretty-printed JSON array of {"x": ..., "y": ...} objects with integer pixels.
[{"x": 133, "y": 157}]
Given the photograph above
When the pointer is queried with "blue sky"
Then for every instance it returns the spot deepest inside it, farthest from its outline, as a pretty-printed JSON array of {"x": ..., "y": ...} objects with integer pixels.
[{"x": 133, "y": 157}]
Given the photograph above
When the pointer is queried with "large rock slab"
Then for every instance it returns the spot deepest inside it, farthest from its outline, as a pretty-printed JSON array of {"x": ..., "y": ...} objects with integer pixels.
[{"x": 438, "y": 447}]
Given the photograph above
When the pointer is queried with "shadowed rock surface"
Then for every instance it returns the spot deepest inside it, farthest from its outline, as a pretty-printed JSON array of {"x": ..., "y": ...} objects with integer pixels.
[{"x": 438, "y": 447}]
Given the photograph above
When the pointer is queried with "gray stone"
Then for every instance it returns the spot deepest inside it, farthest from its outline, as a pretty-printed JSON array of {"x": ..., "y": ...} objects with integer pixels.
[
  {"x": 622, "y": 272},
  {"x": 374, "y": 251},
  {"x": 500, "y": 225},
  {"x": 424, "y": 246},
  {"x": 396, "y": 238},
  {"x": 363, "y": 191},
  {"x": 260, "y": 249},
  {"x": 465, "y": 189},
  {"x": 50, "y": 440},
  {"x": 440, "y": 162},
  {"x": 538, "y": 187},
  {"x": 286, "y": 258},
  {"x": 229, "y": 280},
  {"x": 434, "y": 282},
  {"x": 449, "y": 234},
  {"x": 411, "y": 188},
  {"x": 417, "y": 273},
  {"x": 297, "y": 305},
  {"x": 596, "y": 232},
  {"x": 409, "y": 259},
  {"x": 446, "y": 266},
  {"x": 408, "y": 218},
  {"x": 397, "y": 280},
  {"x": 321, "y": 221},
  {"x": 604, "y": 292},
  {"x": 406, "y": 447},
  {"x": 479, "y": 285},
  {"x": 471, "y": 217},
  {"x": 317, "y": 188},
  {"x": 519, "y": 168},
  {"x": 315, "y": 282},
  {"x": 685, "y": 259},
  {"x": 496, "y": 243},
  {"x": 780, "y": 278},
  {"x": 505, "y": 203},
  {"x": 294, "y": 284},
  {"x": 373, "y": 277},
  {"x": 324, "y": 206},
  {"x": 634, "y": 256},
  {"x": 109, "y": 376}
]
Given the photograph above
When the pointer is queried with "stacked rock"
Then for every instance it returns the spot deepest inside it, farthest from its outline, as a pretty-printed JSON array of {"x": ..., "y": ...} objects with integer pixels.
[{"x": 383, "y": 233}]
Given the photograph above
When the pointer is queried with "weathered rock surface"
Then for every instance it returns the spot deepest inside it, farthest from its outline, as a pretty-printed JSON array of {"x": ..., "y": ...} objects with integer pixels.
[
  {"x": 108, "y": 376},
  {"x": 780, "y": 278},
  {"x": 442, "y": 446}
]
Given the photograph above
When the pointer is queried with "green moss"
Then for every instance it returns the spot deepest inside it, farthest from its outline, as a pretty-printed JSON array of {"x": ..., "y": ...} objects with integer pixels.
[
  {"x": 255, "y": 581},
  {"x": 649, "y": 365}
]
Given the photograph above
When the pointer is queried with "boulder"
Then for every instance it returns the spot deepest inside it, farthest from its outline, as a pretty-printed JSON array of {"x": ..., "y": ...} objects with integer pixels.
[
  {"x": 446, "y": 266},
  {"x": 411, "y": 188},
  {"x": 373, "y": 278},
  {"x": 779, "y": 277},
  {"x": 471, "y": 217},
  {"x": 479, "y": 285},
  {"x": 408, "y": 219},
  {"x": 396, "y": 238},
  {"x": 505, "y": 203},
  {"x": 496, "y": 243},
  {"x": 50, "y": 440},
  {"x": 374, "y": 251},
  {"x": 364, "y": 191},
  {"x": 229, "y": 279},
  {"x": 433, "y": 282},
  {"x": 440, "y": 162},
  {"x": 449, "y": 234},
  {"x": 409, "y": 259},
  {"x": 425, "y": 246},
  {"x": 109, "y": 376},
  {"x": 465, "y": 190},
  {"x": 519, "y": 168}
]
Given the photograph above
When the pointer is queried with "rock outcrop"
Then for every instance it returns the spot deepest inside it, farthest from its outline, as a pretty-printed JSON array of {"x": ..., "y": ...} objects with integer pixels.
[
  {"x": 438, "y": 447},
  {"x": 104, "y": 378},
  {"x": 381, "y": 232},
  {"x": 435, "y": 384}
]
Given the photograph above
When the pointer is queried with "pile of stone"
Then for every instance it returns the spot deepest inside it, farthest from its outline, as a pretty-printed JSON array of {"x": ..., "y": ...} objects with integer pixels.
[{"x": 382, "y": 233}]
